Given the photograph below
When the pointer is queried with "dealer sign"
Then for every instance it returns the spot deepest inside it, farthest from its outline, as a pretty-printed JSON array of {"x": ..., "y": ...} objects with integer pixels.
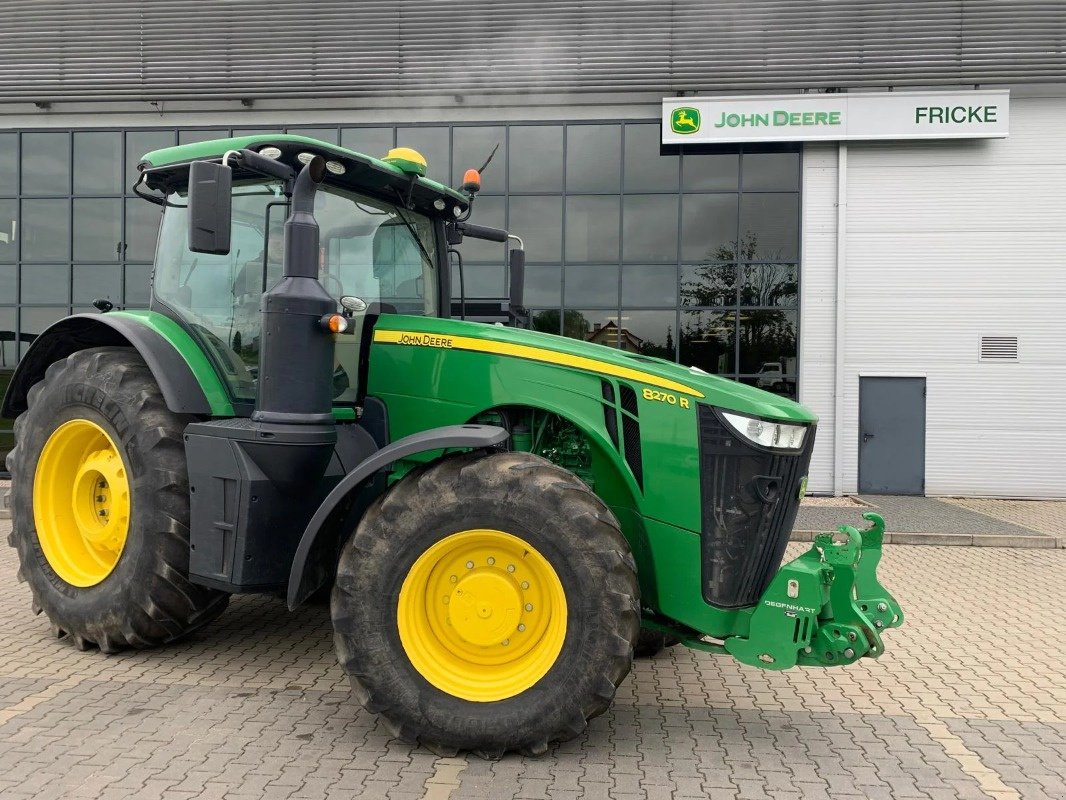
[{"x": 833, "y": 117}]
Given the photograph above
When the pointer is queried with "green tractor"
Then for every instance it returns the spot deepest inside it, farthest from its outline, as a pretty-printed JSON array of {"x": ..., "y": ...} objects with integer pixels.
[{"x": 501, "y": 517}]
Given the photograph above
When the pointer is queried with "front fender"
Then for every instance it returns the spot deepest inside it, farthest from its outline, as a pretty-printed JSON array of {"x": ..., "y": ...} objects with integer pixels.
[{"x": 185, "y": 377}]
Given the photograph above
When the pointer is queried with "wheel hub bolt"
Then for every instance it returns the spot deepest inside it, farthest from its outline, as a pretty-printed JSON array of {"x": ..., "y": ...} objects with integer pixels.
[
  {"x": 469, "y": 564},
  {"x": 852, "y": 636},
  {"x": 849, "y": 653},
  {"x": 510, "y": 567},
  {"x": 491, "y": 560},
  {"x": 529, "y": 606},
  {"x": 525, "y": 584},
  {"x": 505, "y": 642},
  {"x": 882, "y": 607},
  {"x": 521, "y": 628},
  {"x": 879, "y": 624}
]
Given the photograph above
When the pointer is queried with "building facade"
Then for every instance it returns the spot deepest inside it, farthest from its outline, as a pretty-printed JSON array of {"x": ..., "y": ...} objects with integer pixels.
[{"x": 909, "y": 290}]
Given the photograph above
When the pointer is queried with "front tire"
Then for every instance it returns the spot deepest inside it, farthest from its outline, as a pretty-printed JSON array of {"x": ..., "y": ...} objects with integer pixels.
[
  {"x": 100, "y": 502},
  {"x": 486, "y": 603}
]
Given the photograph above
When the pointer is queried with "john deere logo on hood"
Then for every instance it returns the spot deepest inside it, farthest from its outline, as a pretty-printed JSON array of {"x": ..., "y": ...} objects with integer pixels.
[{"x": 685, "y": 120}]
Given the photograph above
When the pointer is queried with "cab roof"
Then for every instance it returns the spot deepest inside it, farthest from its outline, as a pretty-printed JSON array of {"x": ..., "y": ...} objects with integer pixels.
[{"x": 168, "y": 169}]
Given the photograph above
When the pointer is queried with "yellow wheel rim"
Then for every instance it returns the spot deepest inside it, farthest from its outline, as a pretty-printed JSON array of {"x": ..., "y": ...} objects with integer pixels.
[
  {"x": 81, "y": 502},
  {"x": 482, "y": 615}
]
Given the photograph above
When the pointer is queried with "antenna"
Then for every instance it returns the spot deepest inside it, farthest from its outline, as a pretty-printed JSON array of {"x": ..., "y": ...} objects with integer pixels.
[{"x": 487, "y": 160}]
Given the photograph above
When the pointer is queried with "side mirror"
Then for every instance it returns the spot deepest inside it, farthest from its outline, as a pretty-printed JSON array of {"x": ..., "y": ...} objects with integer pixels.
[
  {"x": 517, "y": 265},
  {"x": 210, "y": 207}
]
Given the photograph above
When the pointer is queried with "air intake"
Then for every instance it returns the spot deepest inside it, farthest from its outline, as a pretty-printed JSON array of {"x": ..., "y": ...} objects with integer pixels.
[{"x": 999, "y": 348}]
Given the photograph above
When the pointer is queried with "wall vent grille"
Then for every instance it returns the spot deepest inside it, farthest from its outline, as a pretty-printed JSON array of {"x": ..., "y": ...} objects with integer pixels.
[{"x": 999, "y": 348}]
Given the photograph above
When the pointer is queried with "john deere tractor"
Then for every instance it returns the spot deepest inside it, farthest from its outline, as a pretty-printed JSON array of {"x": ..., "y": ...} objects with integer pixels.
[{"x": 501, "y": 517}]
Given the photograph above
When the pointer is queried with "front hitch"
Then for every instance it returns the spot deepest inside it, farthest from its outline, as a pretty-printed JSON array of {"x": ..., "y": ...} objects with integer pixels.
[{"x": 824, "y": 608}]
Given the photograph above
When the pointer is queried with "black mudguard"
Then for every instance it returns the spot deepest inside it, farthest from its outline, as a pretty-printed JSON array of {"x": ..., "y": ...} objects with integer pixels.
[{"x": 308, "y": 566}]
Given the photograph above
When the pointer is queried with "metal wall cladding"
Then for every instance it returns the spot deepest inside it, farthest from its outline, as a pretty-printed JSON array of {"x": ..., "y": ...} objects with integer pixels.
[{"x": 56, "y": 50}]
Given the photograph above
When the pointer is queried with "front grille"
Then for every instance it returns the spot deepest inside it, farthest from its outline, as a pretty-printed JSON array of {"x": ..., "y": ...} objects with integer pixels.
[{"x": 749, "y": 499}]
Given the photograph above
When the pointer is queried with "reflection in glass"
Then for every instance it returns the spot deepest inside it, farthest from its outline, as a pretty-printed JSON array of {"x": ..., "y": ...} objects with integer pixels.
[
  {"x": 710, "y": 173},
  {"x": 481, "y": 281},
  {"x": 654, "y": 285},
  {"x": 593, "y": 158},
  {"x": 33, "y": 322},
  {"x": 546, "y": 321},
  {"x": 538, "y": 219},
  {"x": 142, "y": 229},
  {"x": 768, "y": 337},
  {"x": 431, "y": 143},
  {"x": 769, "y": 225},
  {"x": 7, "y": 283},
  {"x": 708, "y": 227},
  {"x": 97, "y": 162},
  {"x": 92, "y": 281},
  {"x": 649, "y": 228},
  {"x": 193, "y": 135},
  {"x": 46, "y": 163},
  {"x": 771, "y": 171},
  {"x": 97, "y": 229},
  {"x": 707, "y": 340},
  {"x": 600, "y": 327},
  {"x": 375, "y": 142},
  {"x": 592, "y": 228},
  {"x": 45, "y": 283},
  {"x": 649, "y": 333},
  {"x": 646, "y": 170},
  {"x": 593, "y": 285},
  {"x": 138, "y": 285},
  {"x": 328, "y": 135},
  {"x": 770, "y": 381},
  {"x": 770, "y": 285},
  {"x": 709, "y": 285},
  {"x": 9, "y": 163},
  {"x": 138, "y": 145},
  {"x": 543, "y": 285},
  {"x": 7, "y": 344},
  {"x": 9, "y": 230},
  {"x": 536, "y": 158},
  {"x": 491, "y": 212},
  {"x": 471, "y": 146},
  {"x": 45, "y": 230}
]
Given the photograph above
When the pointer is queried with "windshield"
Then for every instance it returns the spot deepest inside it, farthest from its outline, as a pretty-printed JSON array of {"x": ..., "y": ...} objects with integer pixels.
[{"x": 368, "y": 248}]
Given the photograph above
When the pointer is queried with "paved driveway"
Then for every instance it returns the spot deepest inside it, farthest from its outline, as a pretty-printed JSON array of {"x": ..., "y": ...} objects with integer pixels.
[{"x": 969, "y": 701}]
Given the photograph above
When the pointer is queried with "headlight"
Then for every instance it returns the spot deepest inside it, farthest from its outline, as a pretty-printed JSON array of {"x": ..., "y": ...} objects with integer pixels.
[{"x": 767, "y": 434}]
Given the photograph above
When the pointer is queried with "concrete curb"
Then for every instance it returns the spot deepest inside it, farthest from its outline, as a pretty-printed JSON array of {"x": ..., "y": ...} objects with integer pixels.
[{"x": 1036, "y": 541}]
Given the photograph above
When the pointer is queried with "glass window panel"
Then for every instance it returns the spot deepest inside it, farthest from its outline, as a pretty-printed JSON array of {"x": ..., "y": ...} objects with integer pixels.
[
  {"x": 768, "y": 341},
  {"x": 600, "y": 327},
  {"x": 193, "y": 135},
  {"x": 648, "y": 332},
  {"x": 709, "y": 285},
  {"x": 45, "y": 230},
  {"x": 708, "y": 340},
  {"x": 138, "y": 285},
  {"x": 46, "y": 163},
  {"x": 535, "y": 159},
  {"x": 8, "y": 356},
  {"x": 769, "y": 225},
  {"x": 481, "y": 281},
  {"x": 538, "y": 219},
  {"x": 138, "y": 145},
  {"x": 94, "y": 281},
  {"x": 488, "y": 211},
  {"x": 654, "y": 285},
  {"x": 431, "y": 143},
  {"x": 9, "y": 144},
  {"x": 593, "y": 158},
  {"x": 97, "y": 229},
  {"x": 375, "y": 142},
  {"x": 649, "y": 228},
  {"x": 646, "y": 170},
  {"x": 8, "y": 288},
  {"x": 591, "y": 285},
  {"x": 45, "y": 283},
  {"x": 771, "y": 171},
  {"x": 142, "y": 229},
  {"x": 252, "y": 131},
  {"x": 711, "y": 172},
  {"x": 34, "y": 321},
  {"x": 328, "y": 135},
  {"x": 9, "y": 229},
  {"x": 471, "y": 146},
  {"x": 770, "y": 285},
  {"x": 97, "y": 160},
  {"x": 546, "y": 321},
  {"x": 772, "y": 382},
  {"x": 708, "y": 227},
  {"x": 592, "y": 229},
  {"x": 543, "y": 286}
]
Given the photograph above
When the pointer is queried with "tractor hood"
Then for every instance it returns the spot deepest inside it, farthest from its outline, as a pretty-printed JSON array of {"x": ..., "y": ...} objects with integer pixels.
[{"x": 646, "y": 371}]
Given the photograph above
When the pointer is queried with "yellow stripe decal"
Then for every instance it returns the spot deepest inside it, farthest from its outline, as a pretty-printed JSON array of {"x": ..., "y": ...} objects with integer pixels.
[{"x": 447, "y": 341}]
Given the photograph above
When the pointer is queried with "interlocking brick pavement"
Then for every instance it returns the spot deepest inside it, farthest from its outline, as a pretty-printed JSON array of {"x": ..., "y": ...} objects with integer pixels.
[{"x": 969, "y": 701}]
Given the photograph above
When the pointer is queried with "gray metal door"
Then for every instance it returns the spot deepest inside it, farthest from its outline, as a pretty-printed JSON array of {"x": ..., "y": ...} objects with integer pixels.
[{"x": 892, "y": 435}]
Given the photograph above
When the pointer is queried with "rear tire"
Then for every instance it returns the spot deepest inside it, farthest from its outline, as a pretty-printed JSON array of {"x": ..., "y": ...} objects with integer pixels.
[
  {"x": 386, "y": 588},
  {"x": 141, "y": 595}
]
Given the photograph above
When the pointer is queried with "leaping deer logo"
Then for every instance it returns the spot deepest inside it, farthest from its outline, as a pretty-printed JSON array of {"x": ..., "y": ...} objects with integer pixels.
[{"x": 685, "y": 120}]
